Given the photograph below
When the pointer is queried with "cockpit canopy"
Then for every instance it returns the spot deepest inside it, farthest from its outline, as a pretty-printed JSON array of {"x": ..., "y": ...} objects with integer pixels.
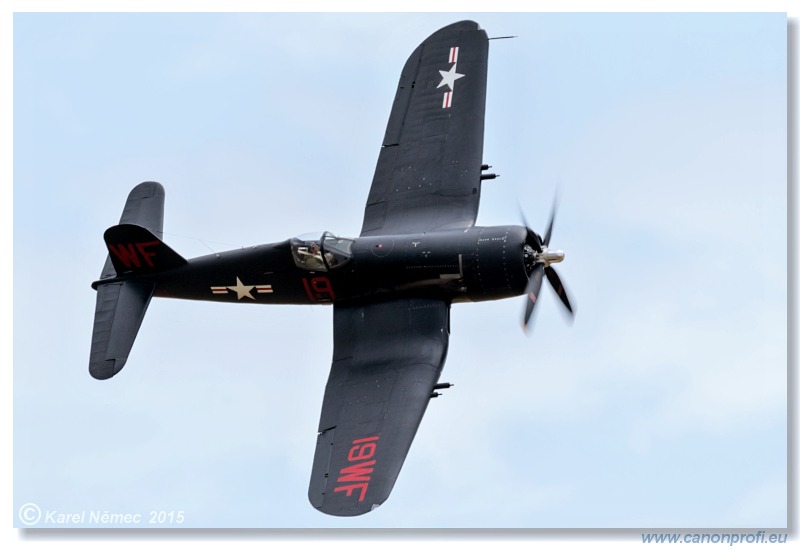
[{"x": 321, "y": 253}]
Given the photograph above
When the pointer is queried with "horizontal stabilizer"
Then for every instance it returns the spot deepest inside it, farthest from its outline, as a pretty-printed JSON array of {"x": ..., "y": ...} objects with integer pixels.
[
  {"x": 144, "y": 207},
  {"x": 118, "y": 315},
  {"x": 134, "y": 251}
]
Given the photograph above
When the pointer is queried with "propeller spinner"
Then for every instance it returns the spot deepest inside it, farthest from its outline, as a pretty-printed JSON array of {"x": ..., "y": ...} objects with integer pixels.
[{"x": 538, "y": 258}]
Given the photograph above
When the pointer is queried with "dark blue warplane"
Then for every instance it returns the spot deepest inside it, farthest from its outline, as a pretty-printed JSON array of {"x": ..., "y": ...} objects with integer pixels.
[{"x": 391, "y": 287}]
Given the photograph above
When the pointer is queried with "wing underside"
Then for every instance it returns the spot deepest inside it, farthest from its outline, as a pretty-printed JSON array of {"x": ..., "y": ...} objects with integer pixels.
[
  {"x": 428, "y": 172},
  {"x": 387, "y": 358}
]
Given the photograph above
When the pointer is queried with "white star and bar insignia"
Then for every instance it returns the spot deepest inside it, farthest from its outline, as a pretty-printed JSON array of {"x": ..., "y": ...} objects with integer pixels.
[
  {"x": 242, "y": 290},
  {"x": 449, "y": 78}
]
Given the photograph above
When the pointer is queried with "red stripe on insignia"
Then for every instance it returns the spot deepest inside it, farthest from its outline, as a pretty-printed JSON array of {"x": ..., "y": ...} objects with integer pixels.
[
  {"x": 447, "y": 100},
  {"x": 454, "y": 54},
  {"x": 264, "y": 289}
]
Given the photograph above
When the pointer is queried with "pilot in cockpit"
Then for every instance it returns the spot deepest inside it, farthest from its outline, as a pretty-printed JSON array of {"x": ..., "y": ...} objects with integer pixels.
[{"x": 310, "y": 256}]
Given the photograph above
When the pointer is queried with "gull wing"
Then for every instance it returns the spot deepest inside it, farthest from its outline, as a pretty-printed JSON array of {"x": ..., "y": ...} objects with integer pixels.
[
  {"x": 429, "y": 168},
  {"x": 387, "y": 357}
]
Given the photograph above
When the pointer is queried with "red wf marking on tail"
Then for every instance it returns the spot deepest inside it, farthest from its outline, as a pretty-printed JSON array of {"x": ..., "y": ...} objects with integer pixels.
[
  {"x": 319, "y": 289},
  {"x": 132, "y": 254},
  {"x": 361, "y": 468}
]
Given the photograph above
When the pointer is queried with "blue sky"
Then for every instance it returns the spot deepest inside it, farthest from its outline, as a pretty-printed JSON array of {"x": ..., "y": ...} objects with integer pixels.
[{"x": 664, "y": 405}]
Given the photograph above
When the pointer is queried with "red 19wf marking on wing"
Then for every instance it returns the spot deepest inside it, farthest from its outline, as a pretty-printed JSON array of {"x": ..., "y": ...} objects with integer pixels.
[{"x": 361, "y": 469}]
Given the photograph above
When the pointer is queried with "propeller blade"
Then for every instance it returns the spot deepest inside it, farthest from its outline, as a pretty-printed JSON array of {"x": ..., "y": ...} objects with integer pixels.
[
  {"x": 549, "y": 232},
  {"x": 557, "y": 285},
  {"x": 539, "y": 264},
  {"x": 532, "y": 293}
]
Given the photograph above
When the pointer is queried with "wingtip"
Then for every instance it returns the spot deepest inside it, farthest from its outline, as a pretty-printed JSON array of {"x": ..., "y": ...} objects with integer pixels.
[{"x": 107, "y": 369}]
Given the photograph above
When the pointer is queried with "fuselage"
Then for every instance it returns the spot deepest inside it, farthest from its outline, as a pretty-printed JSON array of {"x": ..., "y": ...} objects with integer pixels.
[{"x": 474, "y": 264}]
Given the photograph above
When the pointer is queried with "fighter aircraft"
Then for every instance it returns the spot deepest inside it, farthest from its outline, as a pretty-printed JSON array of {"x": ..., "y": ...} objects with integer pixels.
[{"x": 391, "y": 287}]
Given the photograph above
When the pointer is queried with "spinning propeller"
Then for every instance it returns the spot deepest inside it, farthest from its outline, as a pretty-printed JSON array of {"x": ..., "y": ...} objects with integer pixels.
[{"x": 538, "y": 258}]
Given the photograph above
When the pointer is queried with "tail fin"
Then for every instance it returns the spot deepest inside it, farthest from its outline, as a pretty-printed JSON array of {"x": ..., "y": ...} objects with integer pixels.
[{"x": 135, "y": 249}]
